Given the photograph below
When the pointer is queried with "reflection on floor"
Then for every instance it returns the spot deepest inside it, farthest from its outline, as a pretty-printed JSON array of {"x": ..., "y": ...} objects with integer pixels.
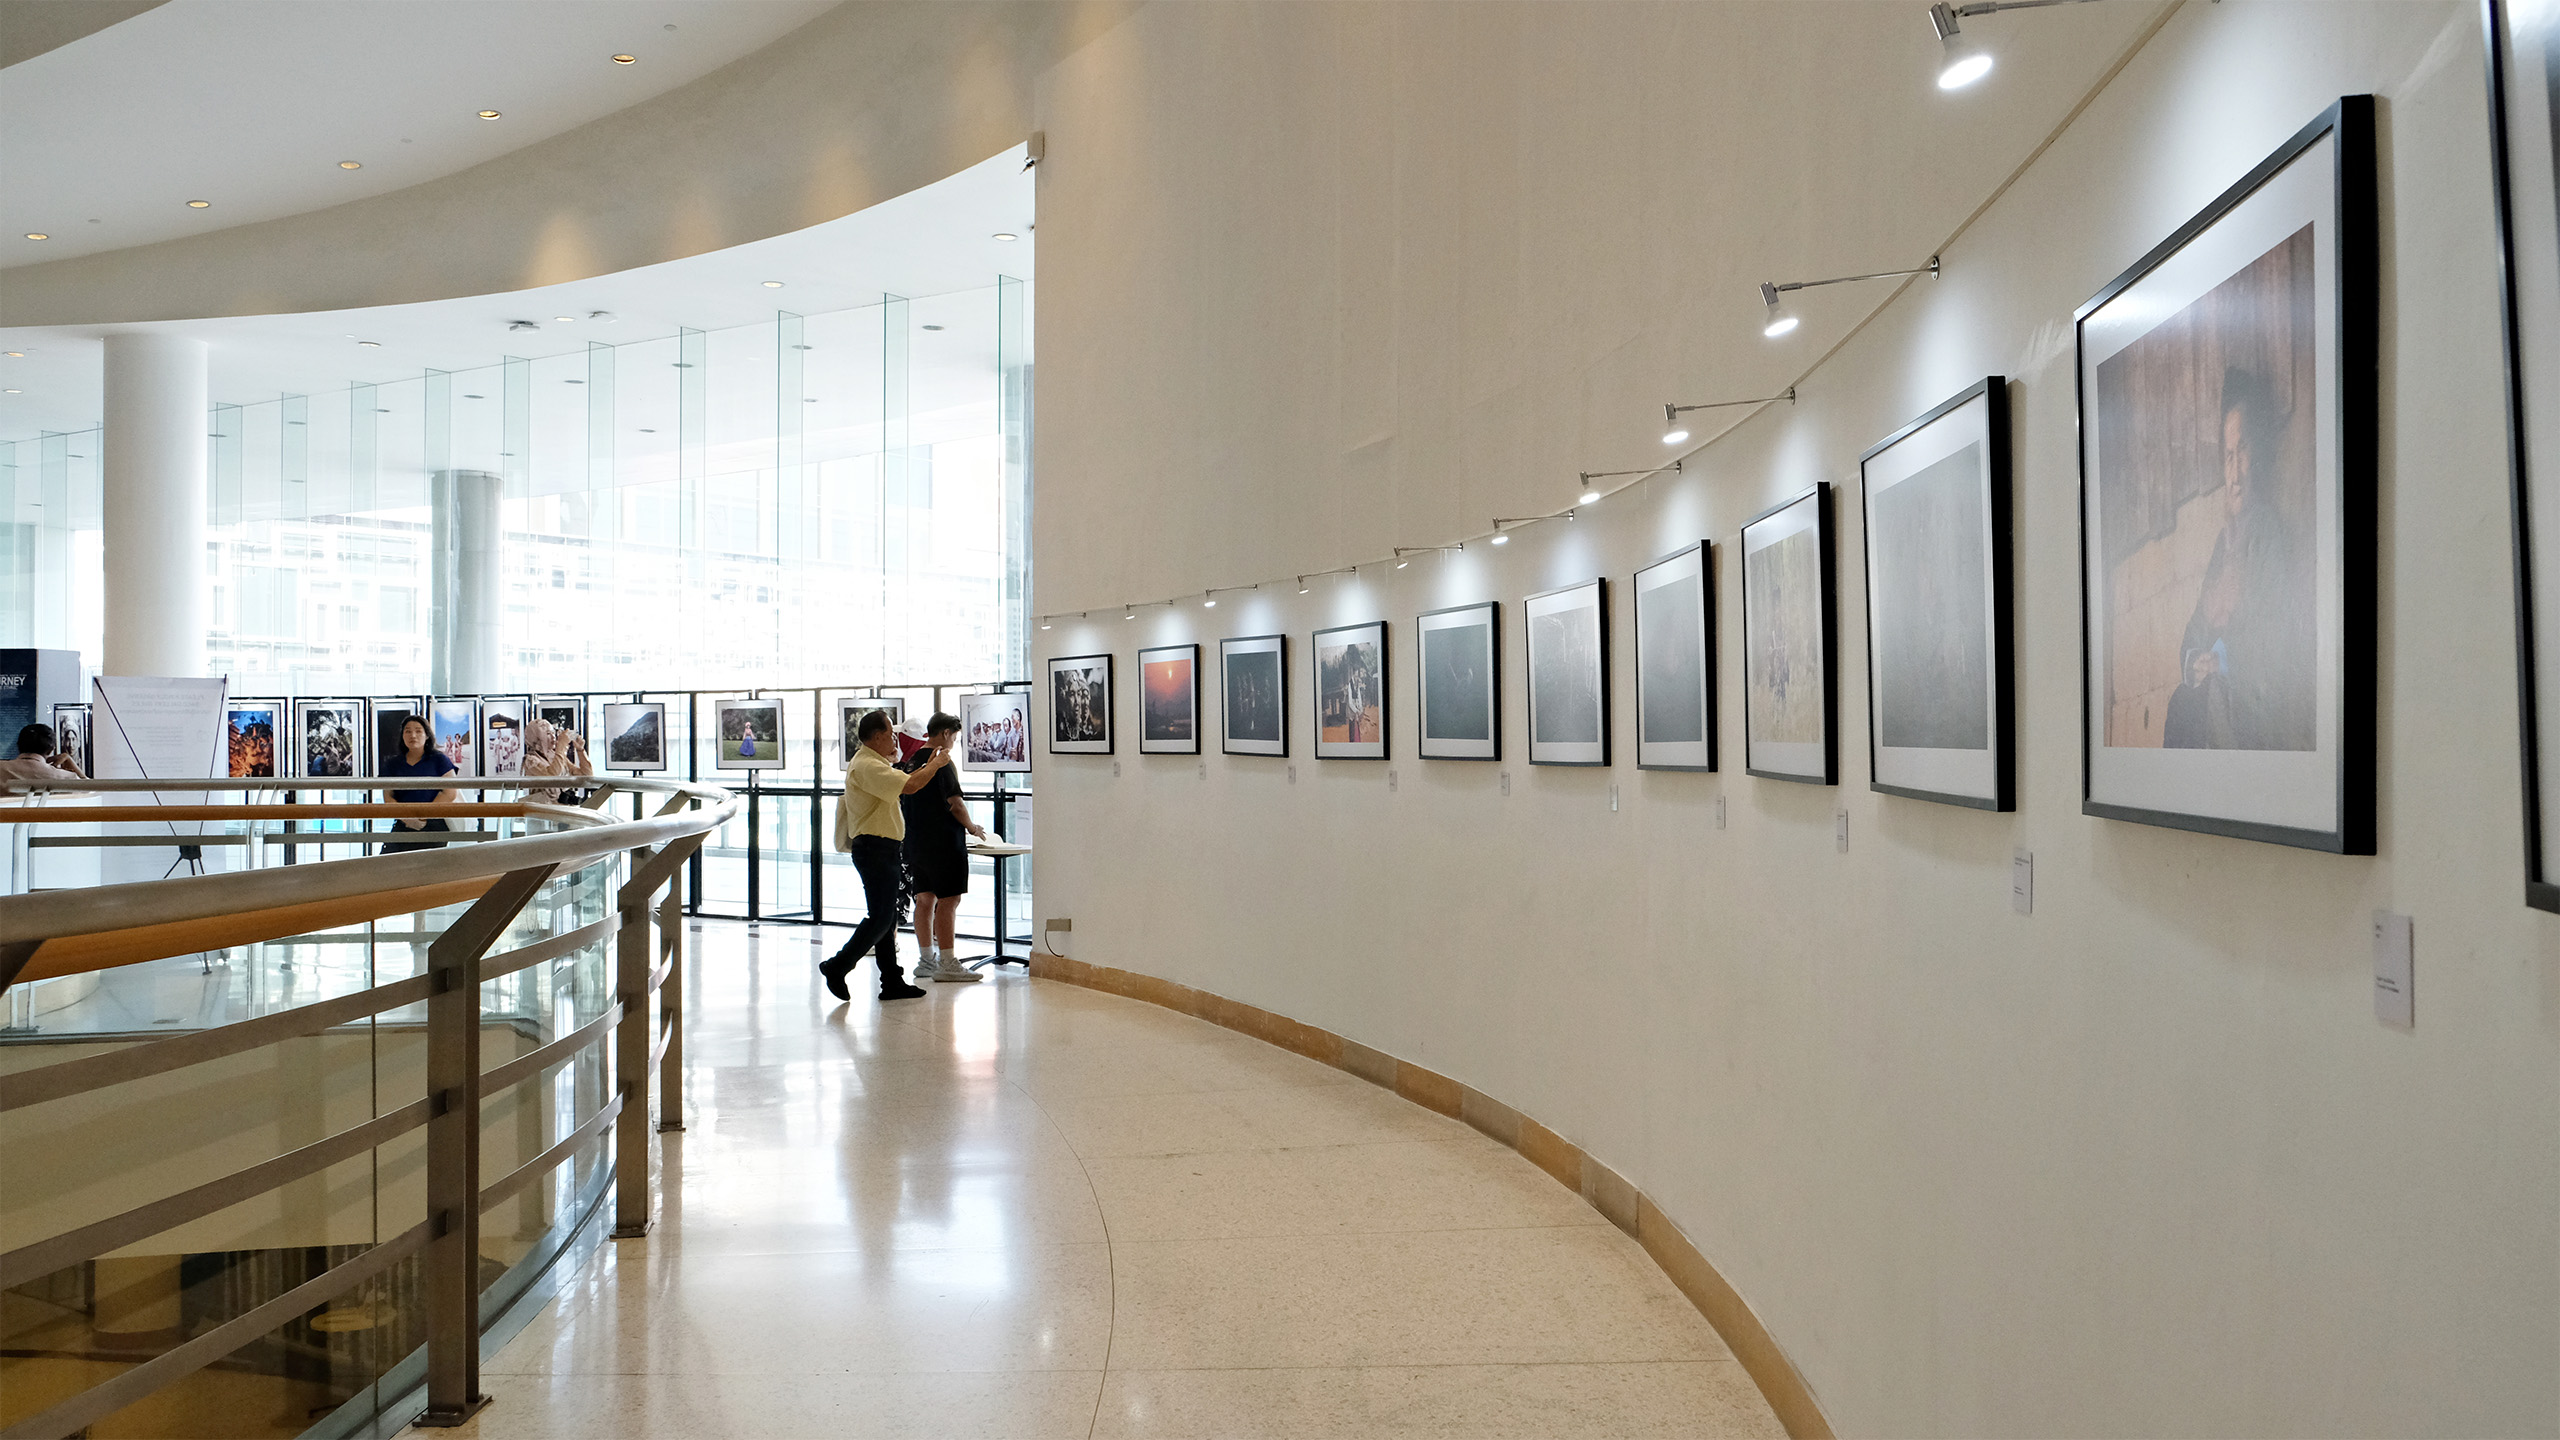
[{"x": 1024, "y": 1209}]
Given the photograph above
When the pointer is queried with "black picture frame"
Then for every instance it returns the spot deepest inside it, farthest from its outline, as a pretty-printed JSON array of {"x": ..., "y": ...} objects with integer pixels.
[
  {"x": 1370, "y": 633},
  {"x": 1432, "y": 705},
  {"x": 1169, "y": 722},
  {"x": 1666, "y": 650},
  {"x": 391, "y": 713},
  {"x": 747, "y": 750},
  {"x": 71, "y": 733},
  {"x": 1080, "y": 689},
  {"x": 997, "y": 708},
  {"x": 2524, "y": 149},
  {"x": 308, "y": 758},
  {"x": 1229, "y": 678},
  {"x": 453, "y": 728},
  {"x": 2328, "y": 807},
  {"x": 241, "y": 718},
  {"x": 1568, "y": 663},
  {"x": 502, "y": 753},
  {"x": 1770, "y": 756},
  {"x": 634, "y": 738},
  {"x": 1972, "y": 426}
]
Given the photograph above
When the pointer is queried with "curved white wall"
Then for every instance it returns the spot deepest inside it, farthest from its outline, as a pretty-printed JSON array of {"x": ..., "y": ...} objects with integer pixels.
[{"x": 2140, "y": 1163}]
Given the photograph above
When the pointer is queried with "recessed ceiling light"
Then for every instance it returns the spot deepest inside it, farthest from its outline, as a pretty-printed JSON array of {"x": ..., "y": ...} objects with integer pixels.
[
  {"x": 198, "y": 204},
  {"x": 564, "y": 319},
  {"x": 350, "y": 164},
  {"x": 933, "y": 327},
  {"x": 769, "y": 284},
  {"x": 488, "y": 114},
  {"x": 1006, "y": 235},
  {"x": 17, "y": 354},
  {"x": 12, "y": 392},
  {"x": 370, "y": 344},
  {"x": 626, "y": 59},
  {"x": 38, "y": 235}
]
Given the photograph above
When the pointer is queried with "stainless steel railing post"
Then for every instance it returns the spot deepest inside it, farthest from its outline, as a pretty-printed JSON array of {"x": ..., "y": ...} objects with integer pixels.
[
  {"x": 671, "y": 1002},
  {"x": 631, "y": 1207}
]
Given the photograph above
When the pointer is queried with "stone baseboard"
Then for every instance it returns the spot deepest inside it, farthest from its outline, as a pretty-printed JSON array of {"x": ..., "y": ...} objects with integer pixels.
[{"x": 1607, "y": 1191}]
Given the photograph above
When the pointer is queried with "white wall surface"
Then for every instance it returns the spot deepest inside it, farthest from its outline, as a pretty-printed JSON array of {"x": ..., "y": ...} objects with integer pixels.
[{"x": 2140, "y": 1163}]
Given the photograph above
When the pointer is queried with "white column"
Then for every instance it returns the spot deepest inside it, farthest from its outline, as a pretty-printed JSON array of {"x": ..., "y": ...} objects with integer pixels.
[{"x": 154, "y": 503}]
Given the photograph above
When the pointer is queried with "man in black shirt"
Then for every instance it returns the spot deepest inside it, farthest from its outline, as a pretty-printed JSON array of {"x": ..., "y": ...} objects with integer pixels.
[{"x": 938, "y": 827}]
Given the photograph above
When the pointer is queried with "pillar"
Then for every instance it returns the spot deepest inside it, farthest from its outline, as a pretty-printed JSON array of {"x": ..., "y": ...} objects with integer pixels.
[
  {"x": 465, "y": 503},
  {"x": 153, "y": 505}
]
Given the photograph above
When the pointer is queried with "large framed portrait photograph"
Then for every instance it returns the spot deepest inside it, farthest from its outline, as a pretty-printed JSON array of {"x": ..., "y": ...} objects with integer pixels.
[
  {"x": 1351, "y": 691},
  {"x": 71, "y": 734},
  {"x": 750, "y": 734},
  {"x": 502, "y": 722},
  {"x": 849, "y": 712},
  {"x": 635, "y": 735},
  {"x": 1080, "y": 705},
  {"x": 2524, "y": 94},
  {"x": 1568, "y": 638},
  {"x": 1461, "y": 682},
  {"x": 1790, "y": 690},
  {"x": 252, "y": 731},
  {"x": 2227, "y": 396},
  {"x": 1676, "y": 661},
  {"x": 1940, "y": 722},
  {"x": 1253, "y": 676},
  {"x": 330, "y": 738},
  {"x": 1169, "y": 700},
  {"x": 453, "y": 728},
  {"x": 995, "y": 731}
]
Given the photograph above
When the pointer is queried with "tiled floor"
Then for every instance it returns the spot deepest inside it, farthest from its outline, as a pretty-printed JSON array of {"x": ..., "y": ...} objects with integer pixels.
[{"x": 1024, "y": 1209}]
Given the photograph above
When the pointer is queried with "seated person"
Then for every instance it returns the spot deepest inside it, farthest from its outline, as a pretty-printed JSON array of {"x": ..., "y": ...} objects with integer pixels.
[{"x": 36, "y": 759}]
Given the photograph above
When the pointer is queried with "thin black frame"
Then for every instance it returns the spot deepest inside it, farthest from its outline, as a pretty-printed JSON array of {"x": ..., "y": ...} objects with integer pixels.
[
  {"x": 2355, "y": 231},
  {"x": 1598, "y": 585},
  {"x": 604, "y": 722},
  {"x": 2540, "y": 891},
  {"x": 279, "y": 725},
  {"x": 1110, "y": 687},
  {"x": 480, "y": 736},
  {"x": 472, "y": 702},
  {"x": 1169, "y": 747},
  {"x": 1226, "y": 733},
  {"x": 362, "y": 741},
  {"x": 83, "y": 757},
  {"x": 379, "y": 707},
  {"x": 1706, "y": 553},
  {"x": 1493, "y": 700},
  {"x": 1024, "y": 698},
  {"x": 1998, "y": 479},
  {"x": 1820, "y": 494},
  {"x": 574, "y": 702},
  {"x": 1386, "y": 693},
  {"x": 781, "y": 744}
]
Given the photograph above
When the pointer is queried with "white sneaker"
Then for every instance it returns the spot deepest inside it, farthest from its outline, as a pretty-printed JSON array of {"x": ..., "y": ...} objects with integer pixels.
[
  {"x": 928, "y": 962},
  {"x": 955, "y": 973}
]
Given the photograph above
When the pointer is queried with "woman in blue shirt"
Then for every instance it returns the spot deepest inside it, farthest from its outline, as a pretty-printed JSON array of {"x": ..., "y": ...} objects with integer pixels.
[{"x": 417, "y": 757}]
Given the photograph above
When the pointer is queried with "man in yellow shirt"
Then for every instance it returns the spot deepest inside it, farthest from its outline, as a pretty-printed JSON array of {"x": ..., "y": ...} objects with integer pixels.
[{"x": 871, "y": 825}]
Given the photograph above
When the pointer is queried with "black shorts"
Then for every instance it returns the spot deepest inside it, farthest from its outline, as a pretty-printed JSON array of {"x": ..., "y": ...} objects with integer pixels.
[{"x": 940, "y": 868}]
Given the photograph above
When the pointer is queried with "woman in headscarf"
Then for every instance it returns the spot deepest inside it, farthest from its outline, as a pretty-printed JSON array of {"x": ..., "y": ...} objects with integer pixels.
[{"x": 550, "y": 750}]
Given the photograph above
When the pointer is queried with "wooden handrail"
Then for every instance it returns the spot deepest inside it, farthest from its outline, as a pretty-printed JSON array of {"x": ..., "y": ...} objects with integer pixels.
[{"x": 368, "y": 810}]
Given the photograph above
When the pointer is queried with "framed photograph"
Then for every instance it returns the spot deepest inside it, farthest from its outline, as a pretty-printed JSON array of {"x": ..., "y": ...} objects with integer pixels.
[
  {"x": 1790, "y": 704},
  {"x": 502, "y": 720},
  {"x": 1080, "y": 705},
  {"x": 1351, "y": 692},
  {"x": 564, "y": 713},
  {"x": 1568, "y": 636},
  {"x": 71, "y": 734},
  {"x": 2524, "y": 147},
  {"x": 1460, "y": 682},
  {"x": 251, "y": 728},
  {"x": 1940, "y": 723},
  {"x": 750, "y": 734},
  {"x": 1676, "y": 661},
  {"x": 1253, "y": 674},
  {"x": 635, "y": 735},
  {"x": 849, "y": 712},
  {"x": 2228, "y": 388},
  {"x": 456, "y": 730},
  {"x": 330, "y": 739},
  {"x": 995, "y": 731},
  {"x": 1169, "y": 691},
  {"x": 390, "y": 713}
]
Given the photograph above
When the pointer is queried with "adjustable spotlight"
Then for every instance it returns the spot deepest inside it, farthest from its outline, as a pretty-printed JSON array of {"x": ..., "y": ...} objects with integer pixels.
[
  {"x": 1501, "y": 536},
  {"x": 1302, "y": 584},
  {"x": 1209, "y": 602},
  {"x": 1966, "y": 60},
  {"x": 1671, "y": 413},
  {"x": 1044, "y": 622},
  {"x": 1782, "y": 320},
  {"x": 1590, "y": 492},
  {"x": 1133, "y": 612}
]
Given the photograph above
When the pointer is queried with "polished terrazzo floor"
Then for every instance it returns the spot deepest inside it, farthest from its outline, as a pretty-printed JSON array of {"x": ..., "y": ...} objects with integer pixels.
[{"x": 1020, "y": 1208}]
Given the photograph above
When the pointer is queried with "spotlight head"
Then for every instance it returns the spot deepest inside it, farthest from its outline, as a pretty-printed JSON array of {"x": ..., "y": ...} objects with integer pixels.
[
  {"x": 1590, "y": 493},
  {"x": 1781, "y": 320},
  {"x": 1210, "y": 603},
  {"x": 1044, "y": 624},
  {"x": 1402, "y": 563},
  {"x": 1674, "y": 436},
  {"x": 1966, "y": 61},
  {"x": 1302, "y": 584},
  {"x": 1501, "y": 537}
]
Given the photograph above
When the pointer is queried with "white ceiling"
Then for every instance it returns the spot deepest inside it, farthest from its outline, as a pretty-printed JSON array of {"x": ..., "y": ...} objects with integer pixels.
[
  {"x": 252, "y": 104},
  {"x": 936, "y": 241}
]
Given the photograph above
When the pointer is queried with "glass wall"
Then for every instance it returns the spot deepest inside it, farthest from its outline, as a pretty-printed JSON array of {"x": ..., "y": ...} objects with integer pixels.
[{"x": 835, "y": 499}]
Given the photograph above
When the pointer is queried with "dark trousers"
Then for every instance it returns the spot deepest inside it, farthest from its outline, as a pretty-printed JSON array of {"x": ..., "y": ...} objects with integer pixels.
[{"x": 878, "y": 860}]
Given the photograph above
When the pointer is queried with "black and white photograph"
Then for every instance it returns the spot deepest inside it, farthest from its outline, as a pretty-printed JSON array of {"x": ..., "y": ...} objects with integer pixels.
[
  {"x": 1676, "y": 661},
  {"x": 2524, "y": 81},
  {"x": 1080, "y": 705},
  {"x": 1351, "y": 691},
  {"x": 749, "y": 734},
  {"x": 995, "y": 731},
  {"x": 635, "y": 736},
  {"x": 565, "y": 714},
  {"x": 71, "y": 734},
  {"x": 1253, "y": 678},
  {"x": 1169, "y": 700},
  {"x": 1461, "y": 682},
  {"x": 2227, "y": 509},
  {"x": 390, "y": 713},
  {"x": 330, "y": 738},
  {"x": 502, "y": 722},
  {"x": 1939, "y": 721},
  {"x": 1790, "y": 703},
  {"x": 1568, "y": 642}
]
